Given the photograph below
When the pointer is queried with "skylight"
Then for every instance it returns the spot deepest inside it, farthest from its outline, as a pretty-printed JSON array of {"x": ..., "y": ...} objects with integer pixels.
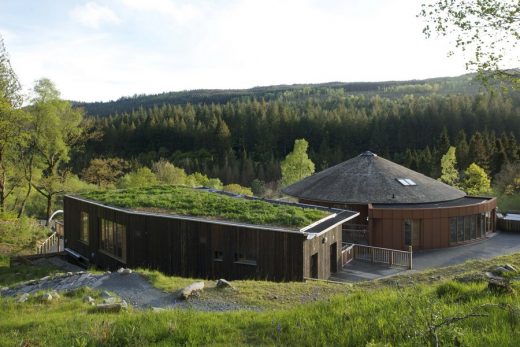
[{"x": 406, "y": 182}]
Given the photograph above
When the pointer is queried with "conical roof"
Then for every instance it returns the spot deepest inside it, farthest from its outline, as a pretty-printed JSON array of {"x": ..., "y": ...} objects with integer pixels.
[{"x": 369, "y": 178}]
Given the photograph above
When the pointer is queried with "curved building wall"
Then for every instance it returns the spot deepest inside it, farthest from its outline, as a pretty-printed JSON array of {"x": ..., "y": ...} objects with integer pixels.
[{"x": 429, "y": 228}]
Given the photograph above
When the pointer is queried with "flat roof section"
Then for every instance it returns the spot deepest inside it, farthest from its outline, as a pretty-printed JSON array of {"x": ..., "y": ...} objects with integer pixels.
[{"x": 465, "y": 201}]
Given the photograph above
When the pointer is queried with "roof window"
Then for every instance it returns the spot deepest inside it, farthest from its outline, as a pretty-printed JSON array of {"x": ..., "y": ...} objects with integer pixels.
[{"x": 406, "y": 182}]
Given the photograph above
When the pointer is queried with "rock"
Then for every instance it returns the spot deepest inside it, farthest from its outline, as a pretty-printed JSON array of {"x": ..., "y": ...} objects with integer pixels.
[
  {"x": 23, "y": 298},
  {"x": 45, "y": 278},
  {"x": 157, "y": 309},
  {"x": 110, "y": 300},
  {"x": 46, "y": 297},
  {"x": 55, "y": 294},
  {"x": 499, "y": 286},
  {"x": 124, "y": 271},
  {"x": 108, "y": 307},
  {"x": 124, "y": 305},
  {"x": 191, "y": 290},
  {"x": 510, "y": 268},
  {"x": 89, "y": 300},
  {"x": 222, "y": 283},
  {"x": 500, "y": 270},
  {"x": 106, "y": 294},
  {"x": 107, "y": 272}
]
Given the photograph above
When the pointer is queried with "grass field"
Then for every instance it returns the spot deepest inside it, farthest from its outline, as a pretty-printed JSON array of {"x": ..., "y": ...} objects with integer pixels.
[
  {"x": 452, "y": 305},
  {"x": 188, "y": 201}
]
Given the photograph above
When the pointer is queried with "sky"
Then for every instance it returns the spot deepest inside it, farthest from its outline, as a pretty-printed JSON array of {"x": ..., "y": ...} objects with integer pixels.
[{"x": 102, "y": 50}]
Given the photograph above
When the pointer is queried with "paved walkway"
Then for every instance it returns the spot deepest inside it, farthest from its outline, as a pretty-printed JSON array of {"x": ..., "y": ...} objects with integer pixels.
[{"x": 499, "y": 243}]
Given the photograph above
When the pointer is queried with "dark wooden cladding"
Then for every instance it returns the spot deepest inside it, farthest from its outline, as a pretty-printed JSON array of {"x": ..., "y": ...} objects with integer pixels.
[
  {"x": 196, "y": 248},
  {"x": 508, "y": 225}
]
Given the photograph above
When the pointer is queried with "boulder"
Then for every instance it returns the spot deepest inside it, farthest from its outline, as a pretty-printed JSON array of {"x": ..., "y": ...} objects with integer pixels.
[
  {"x": 55, "y": 294},
  {"x": 510, "y": 268},
  {"x": 110, "y": 300},
  {"x": 191, "y": 290},
  {"x": 46, "y": 297},
  {"x": 89, "y": 300},
  {"x": 106, "y": 294},
  {"x": 124, "y": 271},
  {"x": 23, "y": 298},
  {"x": 222, "y": 283},
  {"x": 108, "y": 307},
  {"x": 499, "y": 286},
  {"x": 45, "y": 278}
]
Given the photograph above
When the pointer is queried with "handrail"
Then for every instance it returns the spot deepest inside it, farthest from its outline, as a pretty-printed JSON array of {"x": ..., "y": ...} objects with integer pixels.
[
  {"x": 392, "y": 257},
  {"x": 49, "y": 244}
]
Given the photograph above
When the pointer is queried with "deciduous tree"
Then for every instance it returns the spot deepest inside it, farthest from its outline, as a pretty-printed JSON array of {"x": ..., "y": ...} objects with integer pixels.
[
  {"x": 296, "y": 164},
  {"x": 449, "y": 172},
  {"x": 476, "y": 181}
]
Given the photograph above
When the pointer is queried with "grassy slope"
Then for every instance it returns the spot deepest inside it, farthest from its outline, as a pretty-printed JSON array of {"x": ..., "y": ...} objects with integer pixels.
[
  {"x": 187, "y": 201},
  {"x": 378, "y": 312}
]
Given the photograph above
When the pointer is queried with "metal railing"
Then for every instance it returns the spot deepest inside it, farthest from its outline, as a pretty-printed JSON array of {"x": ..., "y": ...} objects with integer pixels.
[{"x": 392, "y": 257}]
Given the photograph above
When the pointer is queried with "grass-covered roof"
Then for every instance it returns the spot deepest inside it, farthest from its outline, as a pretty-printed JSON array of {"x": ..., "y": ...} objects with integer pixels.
[{"x": 192, "y": 202}]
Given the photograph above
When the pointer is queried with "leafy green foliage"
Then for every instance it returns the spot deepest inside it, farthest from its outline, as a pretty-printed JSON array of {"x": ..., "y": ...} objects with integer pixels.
[
  {"x": 237, "y": 189},
  {"x": 19, "y": 234},
  {"x": 105, "y": 172},
  {"x": 489, "y": 30},
  {"x": 476, "y": 181},
  {"x": 168, "y": 173},
  {"x": 187, "y": 201},
  {"x": 297, "y": 164},
  {"x": 142, "y": 177},
  {"x": 449, "y": 172}
]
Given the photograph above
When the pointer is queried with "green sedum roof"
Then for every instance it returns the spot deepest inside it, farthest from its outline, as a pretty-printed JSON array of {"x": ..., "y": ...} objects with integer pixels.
[{"x": 193, "y": 202}]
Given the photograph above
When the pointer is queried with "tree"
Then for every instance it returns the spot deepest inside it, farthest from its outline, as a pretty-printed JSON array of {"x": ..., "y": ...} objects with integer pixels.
[
  {"x": 476, "y": 181},
  {"x": 505, "y": 180},
  {"x": 13, "y": 124},
  {"x": 296, "y": 164},
  {"x": 56, "y": 127},
  {"x": 168, "y": 173},
  {"x": 105, "y": 172},
  {"x": 489, "y": 30},
  {"x": 449, "y": 172},
  {"x": 142, "y": 177}
]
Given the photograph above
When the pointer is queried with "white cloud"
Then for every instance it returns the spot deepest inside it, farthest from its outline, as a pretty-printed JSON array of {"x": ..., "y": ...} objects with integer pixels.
[
  {"x": 182, "y": 13},
  {"x": 93, "y": 15}
]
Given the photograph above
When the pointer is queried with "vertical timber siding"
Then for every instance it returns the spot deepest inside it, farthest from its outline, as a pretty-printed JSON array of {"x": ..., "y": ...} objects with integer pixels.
[{"x": 187, "y": 247}]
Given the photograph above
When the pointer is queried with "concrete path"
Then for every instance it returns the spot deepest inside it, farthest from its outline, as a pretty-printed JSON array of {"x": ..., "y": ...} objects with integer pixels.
[{"x": 499, "y": 243}]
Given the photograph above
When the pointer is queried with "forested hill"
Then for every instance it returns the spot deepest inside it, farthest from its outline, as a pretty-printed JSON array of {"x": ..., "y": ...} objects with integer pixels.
[
  {"x": 239, "y": 136},
  {"x": 464, "y": 84}
]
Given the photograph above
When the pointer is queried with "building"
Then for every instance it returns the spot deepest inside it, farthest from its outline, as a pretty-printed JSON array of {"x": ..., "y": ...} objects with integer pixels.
[
  {"x": 397, "y": 207},
  {"x": 190, "y": 246}
]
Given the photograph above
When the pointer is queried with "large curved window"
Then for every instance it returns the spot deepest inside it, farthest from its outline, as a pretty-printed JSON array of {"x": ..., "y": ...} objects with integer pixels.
[{"x": 467, "y": 228}]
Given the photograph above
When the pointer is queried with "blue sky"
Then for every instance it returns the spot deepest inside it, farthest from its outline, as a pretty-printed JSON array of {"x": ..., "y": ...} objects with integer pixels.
[{"x": 102, "y": 50}]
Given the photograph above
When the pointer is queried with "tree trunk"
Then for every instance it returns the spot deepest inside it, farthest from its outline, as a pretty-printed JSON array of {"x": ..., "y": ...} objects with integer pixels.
[
  {"x": 29, "y": 178},
  {"x": 24, "y": 201},
  {"x": 49, "y": 208}
]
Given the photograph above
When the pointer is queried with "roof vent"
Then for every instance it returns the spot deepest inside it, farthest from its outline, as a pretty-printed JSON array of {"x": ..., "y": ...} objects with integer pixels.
[{"x": 368, "y": 154}]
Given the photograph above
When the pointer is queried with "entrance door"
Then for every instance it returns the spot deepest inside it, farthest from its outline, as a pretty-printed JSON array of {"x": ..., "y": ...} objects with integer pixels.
[
  {"x": 412, "y": 233},
  {"x": 334, "y": 257},
  {"x": 314, "y": 265}
]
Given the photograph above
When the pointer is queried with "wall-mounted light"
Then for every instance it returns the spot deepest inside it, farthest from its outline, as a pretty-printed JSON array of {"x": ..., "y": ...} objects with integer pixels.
[{"x": 324, "y": 240}]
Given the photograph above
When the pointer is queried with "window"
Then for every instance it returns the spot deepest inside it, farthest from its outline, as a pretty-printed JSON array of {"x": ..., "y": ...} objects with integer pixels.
[
  {"x": 467, "y": 231},
  {"x": 408, "y": 232},
  {"x": 218, "y": 256},
  {"x": 473, "y": 226},
  {"x": 406, "y": 182},
  {"x": 460, "y": 229},
  {"x": 246, "y": 248},
  {"x": 83, "y": 228},
  {"x": 113, "y": 238},
  {"x": 453, "y": 230}
]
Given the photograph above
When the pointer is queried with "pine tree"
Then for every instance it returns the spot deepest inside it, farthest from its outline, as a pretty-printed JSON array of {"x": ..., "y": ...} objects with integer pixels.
[{"x": 476, "y": 181}]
